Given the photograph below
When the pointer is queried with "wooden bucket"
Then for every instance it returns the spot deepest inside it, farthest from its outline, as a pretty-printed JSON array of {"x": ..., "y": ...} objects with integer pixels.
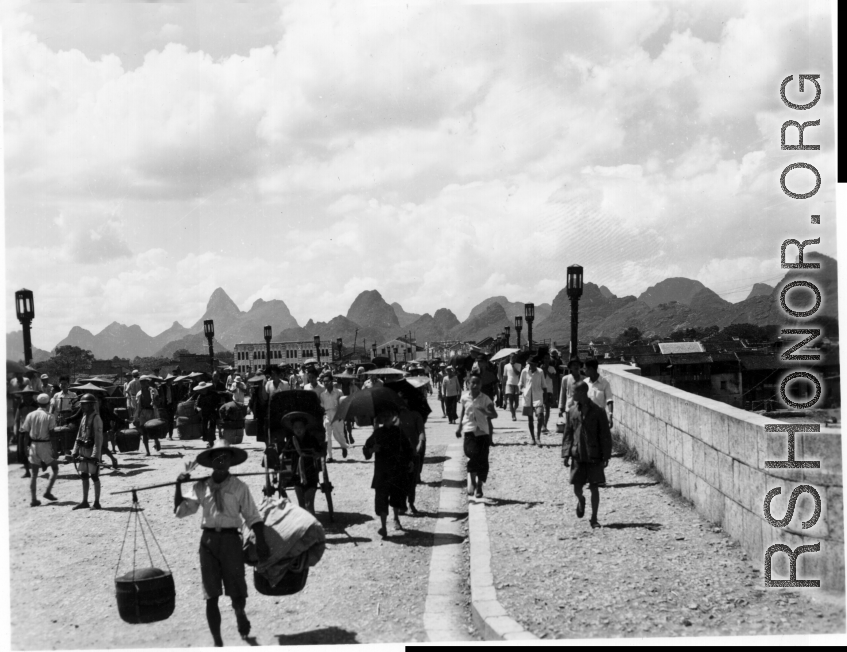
[
  {"x": 234, "y": 435},
  {"x": 189, "y": 427},
  {"x": 292, "y": 582},
  {"x": 145, "y": 595},
  {"x": 128, "y": 440}
]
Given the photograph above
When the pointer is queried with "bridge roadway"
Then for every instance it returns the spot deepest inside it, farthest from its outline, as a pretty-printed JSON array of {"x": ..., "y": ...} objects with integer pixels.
[{"x": 364, "y": 590}]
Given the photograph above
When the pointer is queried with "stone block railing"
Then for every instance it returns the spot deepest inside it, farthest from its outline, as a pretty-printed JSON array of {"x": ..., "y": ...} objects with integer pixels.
[{"x": 714, "y": 455}]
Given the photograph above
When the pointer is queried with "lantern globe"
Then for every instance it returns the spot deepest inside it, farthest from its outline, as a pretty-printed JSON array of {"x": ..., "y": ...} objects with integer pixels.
[
  {"x": 574, "y": 281},
  {"x": 209, "y": 328},
  {"x": 268, "y": 333},
  {"x": 24, "y": 305}
]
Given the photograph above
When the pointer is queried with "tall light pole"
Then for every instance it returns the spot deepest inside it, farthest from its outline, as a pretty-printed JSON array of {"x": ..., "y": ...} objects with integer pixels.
[
  {"x": 529, "y": 315},
  {"x": 574, "y": 289},
  {"x": 373, "y": 348},
  {"x": 338, "y": 343},
  {"x": 209, "y": 330},
  {"x": 506, "y": 334},
  {"x": 318, "y": 348},
  {"x": 518, "y": 328},
  {"x": 395, "y": 353},
  {"x": 268, "y": 336},
  {"x": 25, "y": 309}
]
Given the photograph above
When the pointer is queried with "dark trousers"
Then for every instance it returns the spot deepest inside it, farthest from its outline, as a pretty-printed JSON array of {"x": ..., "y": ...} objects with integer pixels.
[
  {"x": 450, "y": 402},
  {"x": 476, "y": 448},
  {"x": 209, "y": 423}
]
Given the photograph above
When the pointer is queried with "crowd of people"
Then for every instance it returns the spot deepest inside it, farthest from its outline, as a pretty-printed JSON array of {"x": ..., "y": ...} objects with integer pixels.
[{"x": 469, "y": 391}]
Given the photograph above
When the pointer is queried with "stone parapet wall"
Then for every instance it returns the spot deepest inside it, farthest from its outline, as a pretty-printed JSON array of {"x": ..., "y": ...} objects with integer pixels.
[{"x": 714, "y": 455}]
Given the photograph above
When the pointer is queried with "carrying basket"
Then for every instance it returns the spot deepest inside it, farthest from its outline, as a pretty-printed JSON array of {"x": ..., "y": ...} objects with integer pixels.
[
  {"x": 292, "y": 582},
  {"x": 128, "y": 440}
]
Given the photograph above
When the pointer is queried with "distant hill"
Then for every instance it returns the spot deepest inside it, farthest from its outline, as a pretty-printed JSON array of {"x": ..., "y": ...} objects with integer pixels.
[
  {"x": 594, "y": 308},
  {"x": 678, "y": 289},
  {"x": 434, "y": 328},
  {"x": 330, "y": 331},
  {"x": 15, "y": 348},
  {"x": 489, "y": 322},
  {"x": 175, "y": 332},
  {"x": 512, "y": 308},
  {"x": 405, "y": 318},
  {"x": 760, "y": 290},
  {"x": 370, "y": 310},
  {"x": 114, "y": 340}
]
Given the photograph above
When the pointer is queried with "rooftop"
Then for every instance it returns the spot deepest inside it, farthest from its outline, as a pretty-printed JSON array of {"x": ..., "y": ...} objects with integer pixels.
[{"x": 680, "y": 347}]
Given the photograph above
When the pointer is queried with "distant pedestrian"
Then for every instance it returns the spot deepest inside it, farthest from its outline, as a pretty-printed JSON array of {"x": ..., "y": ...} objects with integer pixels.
[
  {"x": 599, "y": 389},
  {"x": 474, "y": 425},
  {"x": 451, "y": 390},
  {"x": 168, "y": 399},
  {"x": 37, "y": 426},
  {"x": 87, "y": 450},
  {"x": 238, "y": 388},
  {"x": 586, "y": 449},
  {"x": 512, "y": 381},
  {"x": 574, "y": 375},
  {"x": 533, "y": 387},
  {"x": 330, "y": 399},
  {"x": 412, "y": 425},
  {"x": 131, "y": 390},
  {"x": 145, "y": 410},
  {"x": 208, "y": 401},
  {"x": 26, "y": 406},
  {"x": 306, "y": 457},
  {"x": 393, "y": 461}
]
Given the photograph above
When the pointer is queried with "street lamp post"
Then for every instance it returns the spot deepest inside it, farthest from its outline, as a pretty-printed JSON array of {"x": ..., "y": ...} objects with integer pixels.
[
  {"x": 268, "y": 335},
  {"x": 518, "y": 328},
  {"x": 338, "y": 342},
  {"x": 209, "y": 330},
  {"x": 529, "y": 315},
  {"x": 506, "y": 333},
  {"x": 318, "y": 348},
  {"x": 574, "y": 288},
  {"x": 25, "y": 308},
  {"x": 395, "y": 353},
  {"x": 373, "y": 348}
]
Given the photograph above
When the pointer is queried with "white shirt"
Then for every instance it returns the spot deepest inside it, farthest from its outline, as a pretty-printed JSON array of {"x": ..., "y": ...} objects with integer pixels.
[
  {"x": 512, "y": 376},
  {"x": 271, "y": 389},
  {"x": 61, "y": 401},
  {"x": 317, "y": 389},
  {"x": 475, "y": 417},
  {"x": 600, "y": 392},
  {"x": 330, "y": 399},
  {"x": 532, "y": 385},
  {"x": 566, "y": 394}
]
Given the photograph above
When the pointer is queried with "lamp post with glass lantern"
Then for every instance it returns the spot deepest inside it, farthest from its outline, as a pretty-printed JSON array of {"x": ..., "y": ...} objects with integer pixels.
[
  {"x": 209, "y": 331},
  {"x": 395, "y": 353},
  {"x": 506, "y": 333},
  {"x": 318, "y": 348},
  {"x": 25, "y": 309},
  {"x": 373, "y": 348},
  {"x": 268, "y": 335},
  {"x": 529, "y": 315},
  {"x": 338, "y": 344},
  {"x": 518, "y": 329},
  {"x": 574, "y": 289}
]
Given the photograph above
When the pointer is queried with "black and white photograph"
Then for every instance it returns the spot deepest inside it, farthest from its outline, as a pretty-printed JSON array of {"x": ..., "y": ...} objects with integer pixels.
[{"x": 383, "y": 322}]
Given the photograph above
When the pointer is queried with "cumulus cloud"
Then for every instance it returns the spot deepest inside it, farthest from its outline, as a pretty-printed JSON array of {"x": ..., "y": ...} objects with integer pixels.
[{"x": 439, "y": 153}]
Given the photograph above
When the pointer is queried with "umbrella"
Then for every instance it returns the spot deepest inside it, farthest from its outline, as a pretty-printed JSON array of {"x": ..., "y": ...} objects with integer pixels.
[
  {"x": 310, "y": 361},
  {"x": 380, "y": 360},
  {"x": 367, "y": 366},
  {"x": 385, "y": 371},
  {"x": 418, "y": 381},
  {"x": 256, "y": 379},
  {"x": 368, "y": 403},
  {"x": 503, "y": 353},
  {"x": 179, "y": 379},
  {"x": 13, "y": 367},
  {"x": 414, "y": 399},
  {"x": 88, "y": 387},
  {"x": 197, "y": 374},
  {"x": 97, "y": 381},
  {"x": 345, "y": 376}
]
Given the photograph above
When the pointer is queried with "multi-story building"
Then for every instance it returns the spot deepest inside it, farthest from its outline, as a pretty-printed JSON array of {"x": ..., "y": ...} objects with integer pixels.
[{"x": 250, "y": 358}]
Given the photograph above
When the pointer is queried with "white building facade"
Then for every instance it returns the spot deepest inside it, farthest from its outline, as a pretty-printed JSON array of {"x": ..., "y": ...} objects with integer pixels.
[{"x": 250, "y": 357}]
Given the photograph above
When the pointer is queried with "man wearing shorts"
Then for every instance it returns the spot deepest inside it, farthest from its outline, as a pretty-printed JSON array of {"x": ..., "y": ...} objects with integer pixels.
[
  {"x": 512, "y": 381},
  {"x": 38, "y": 425},
  {"x": 533, "y": 387},
  {"x": 586, "y": 449},
  {"x": 226, "y": 503}
]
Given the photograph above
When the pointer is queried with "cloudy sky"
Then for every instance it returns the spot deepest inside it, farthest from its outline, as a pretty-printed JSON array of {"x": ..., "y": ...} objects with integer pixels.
[{"x": 439, "y": 153}]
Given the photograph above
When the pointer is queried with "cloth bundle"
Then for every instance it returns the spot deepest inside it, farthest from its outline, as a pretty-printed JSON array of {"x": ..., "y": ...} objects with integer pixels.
[{"x": 290, "y": 531}]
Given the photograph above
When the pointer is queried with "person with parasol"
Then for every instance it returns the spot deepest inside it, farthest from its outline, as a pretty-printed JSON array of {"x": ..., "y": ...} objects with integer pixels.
[
  {"x": 226, "y": 502},
  {"x": 393, "y": 461}
]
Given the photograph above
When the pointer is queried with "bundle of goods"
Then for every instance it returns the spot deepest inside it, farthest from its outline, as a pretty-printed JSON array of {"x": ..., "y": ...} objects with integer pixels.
[
  {"x": 296, "y": 540},
  {"x": 189, "y": 427}
]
